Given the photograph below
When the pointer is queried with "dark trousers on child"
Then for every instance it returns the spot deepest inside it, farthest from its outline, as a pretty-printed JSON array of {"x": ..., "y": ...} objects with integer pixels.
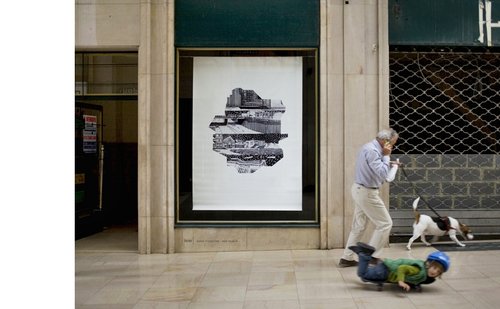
[{"x": 367, "y": 272}]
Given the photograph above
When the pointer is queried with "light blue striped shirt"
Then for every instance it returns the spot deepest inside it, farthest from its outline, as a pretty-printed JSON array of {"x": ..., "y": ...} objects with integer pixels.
[{"x": 372, "y": 167}]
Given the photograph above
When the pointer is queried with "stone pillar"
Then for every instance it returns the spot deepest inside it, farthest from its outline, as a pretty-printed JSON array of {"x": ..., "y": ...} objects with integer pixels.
[
  {"x": 354, "y": 99},
  {"x": 155, "y": 138}
]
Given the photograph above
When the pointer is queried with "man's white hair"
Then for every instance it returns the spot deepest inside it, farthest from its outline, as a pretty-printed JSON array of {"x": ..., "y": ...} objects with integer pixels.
[{"x": 387, "y": 134}]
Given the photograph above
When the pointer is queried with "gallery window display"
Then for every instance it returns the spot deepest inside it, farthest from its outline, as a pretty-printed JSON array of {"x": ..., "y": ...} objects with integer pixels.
[{"x": 247, "y": 137}]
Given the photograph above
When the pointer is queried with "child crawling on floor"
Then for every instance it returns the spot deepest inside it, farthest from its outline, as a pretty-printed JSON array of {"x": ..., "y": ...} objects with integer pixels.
[{"x": 407, "y": 273}]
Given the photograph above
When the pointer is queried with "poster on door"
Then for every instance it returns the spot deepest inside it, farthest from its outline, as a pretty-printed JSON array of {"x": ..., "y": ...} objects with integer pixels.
[{"x": 90, "y": 134}]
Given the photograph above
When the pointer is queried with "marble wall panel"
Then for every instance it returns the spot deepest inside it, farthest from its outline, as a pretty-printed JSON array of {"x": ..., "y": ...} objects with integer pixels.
[
  {"x": 158, "y": 234},
  {"x": 158, "y": 117},
  {"x": 158, "y": 191},
  {"x": 106, "y": 25},
  {"x": 283, "y": 238},
  {"x": 210, "y": 239}
]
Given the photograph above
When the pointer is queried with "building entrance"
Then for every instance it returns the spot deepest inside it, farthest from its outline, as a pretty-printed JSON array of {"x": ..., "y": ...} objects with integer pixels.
[
  {"x": 88, "y": 169},
  {"x": 105, "y": 165}
]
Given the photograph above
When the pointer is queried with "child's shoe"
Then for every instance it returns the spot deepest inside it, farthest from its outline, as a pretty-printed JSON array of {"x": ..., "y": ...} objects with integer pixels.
[{"x": 362, "y": 247}]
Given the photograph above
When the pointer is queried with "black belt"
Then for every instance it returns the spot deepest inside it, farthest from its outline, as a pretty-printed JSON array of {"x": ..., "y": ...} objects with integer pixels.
[{"x": 373, "y": 188}]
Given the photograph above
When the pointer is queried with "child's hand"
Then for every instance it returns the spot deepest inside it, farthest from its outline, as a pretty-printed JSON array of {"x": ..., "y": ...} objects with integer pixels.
[{"x": 404, "y": 286}]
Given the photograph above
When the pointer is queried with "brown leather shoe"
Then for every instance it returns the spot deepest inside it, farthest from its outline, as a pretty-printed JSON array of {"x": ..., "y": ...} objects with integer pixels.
[{"x": 347, "y": 263}]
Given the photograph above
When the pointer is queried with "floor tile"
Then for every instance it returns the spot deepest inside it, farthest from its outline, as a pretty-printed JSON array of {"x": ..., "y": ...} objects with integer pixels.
[
  {"x": 436, "y": 300},
  {"x": 165, "y": 294},
  {"x": 86, "y": 287},
  {"x": 463, "y": 273},
  {"x": 484, "y": 298},
  {"x": 317, "y": 277},
  {"x": 107, "y": 306},
  {"x": 328, "y": 303},
  {"x": 178, "y": 280},
  {"x": 272, "y": 292},
  {"x": 118, "y": 278},
  {"x": 220, "y": 294},
  {"x": 314, "y": 264},
  {"x": 272, "y": 266},
  {"x": 271, "y": 278},
  {"x": 244, "y": 256},
  {"x": 230, "y": 267},
  {"x": 216, "y": 305},
  {"x": 322, "y": 291},
  {"x": 280, "y": 255},
  {"x": 272, "y": 304},
  {"x": 383, "y": 302},
  {"x": 473, "y": 284},
  {"x": 225, "y": 279},
  {"x": 109, "y": 295},
  {"x": 161, "y": 305}
]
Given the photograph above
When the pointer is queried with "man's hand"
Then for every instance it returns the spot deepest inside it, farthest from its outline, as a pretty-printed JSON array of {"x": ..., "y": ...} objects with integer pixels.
[
  {"x": 386, "y": 151},
  {"x": 404, "y": 286},
  {"x": 396, "y": 163}
]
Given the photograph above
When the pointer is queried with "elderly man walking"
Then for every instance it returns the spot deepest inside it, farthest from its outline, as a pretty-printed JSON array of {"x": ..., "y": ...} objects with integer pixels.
[{"x": 373, "y": 168}]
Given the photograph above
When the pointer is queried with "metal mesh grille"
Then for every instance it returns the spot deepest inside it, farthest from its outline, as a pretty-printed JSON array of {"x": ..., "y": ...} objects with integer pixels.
[{"x": 444, "y": 101}]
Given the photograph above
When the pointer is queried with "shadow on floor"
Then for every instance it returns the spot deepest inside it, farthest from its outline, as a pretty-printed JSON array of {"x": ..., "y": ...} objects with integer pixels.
[
  {"x": 470, "y": 246},
  {"x": 122, "y": 238}
]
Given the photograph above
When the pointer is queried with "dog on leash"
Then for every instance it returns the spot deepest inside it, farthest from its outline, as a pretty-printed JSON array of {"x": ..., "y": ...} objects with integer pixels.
[{"x": 426, "y": 225}]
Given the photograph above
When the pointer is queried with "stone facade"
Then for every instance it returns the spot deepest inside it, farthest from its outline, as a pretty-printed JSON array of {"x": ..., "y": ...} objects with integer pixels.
[
  {"x": 448, "y": 182},
  {"x": 353, "y": 99}
]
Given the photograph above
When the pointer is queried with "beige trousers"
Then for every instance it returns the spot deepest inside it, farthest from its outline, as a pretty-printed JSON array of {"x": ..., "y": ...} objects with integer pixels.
[{"x": 368, "y": 204}]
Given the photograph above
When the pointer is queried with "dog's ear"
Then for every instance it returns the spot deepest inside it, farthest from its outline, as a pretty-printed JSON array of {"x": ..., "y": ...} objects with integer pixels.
[{"x": 464, "y": 228}]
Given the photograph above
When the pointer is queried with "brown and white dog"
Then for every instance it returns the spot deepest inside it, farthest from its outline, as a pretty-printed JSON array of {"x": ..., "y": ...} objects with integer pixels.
[{"x": 426, "y": 225}]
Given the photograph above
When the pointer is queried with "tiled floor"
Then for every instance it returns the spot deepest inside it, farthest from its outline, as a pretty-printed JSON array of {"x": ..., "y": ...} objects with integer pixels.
[{"x": 110, "y": 274}]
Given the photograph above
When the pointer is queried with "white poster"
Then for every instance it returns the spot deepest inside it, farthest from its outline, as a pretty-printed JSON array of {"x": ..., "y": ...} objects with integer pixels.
[{"x": 247, "y": 133}]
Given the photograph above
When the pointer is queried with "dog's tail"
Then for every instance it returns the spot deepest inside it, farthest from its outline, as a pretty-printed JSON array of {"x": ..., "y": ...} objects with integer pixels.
[{"x": 415, "y": 205}]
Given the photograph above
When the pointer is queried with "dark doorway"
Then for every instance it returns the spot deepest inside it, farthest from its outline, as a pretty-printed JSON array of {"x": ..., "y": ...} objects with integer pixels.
[
  {"x": 116, "y": 204},
  {"x": 108, "y": 83},
  {"x": 88, "y": 172}
]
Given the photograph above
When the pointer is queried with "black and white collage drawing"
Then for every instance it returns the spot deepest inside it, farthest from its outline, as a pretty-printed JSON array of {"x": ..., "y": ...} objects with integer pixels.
[{"x": 247, "y": 133}]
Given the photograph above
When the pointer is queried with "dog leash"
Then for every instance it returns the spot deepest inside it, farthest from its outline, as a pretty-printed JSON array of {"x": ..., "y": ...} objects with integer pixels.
[{"x": 418, "y": 194}]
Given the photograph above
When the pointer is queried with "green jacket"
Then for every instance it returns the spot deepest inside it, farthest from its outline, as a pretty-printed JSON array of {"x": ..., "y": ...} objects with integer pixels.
[{"x": 407, "y": 270}]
